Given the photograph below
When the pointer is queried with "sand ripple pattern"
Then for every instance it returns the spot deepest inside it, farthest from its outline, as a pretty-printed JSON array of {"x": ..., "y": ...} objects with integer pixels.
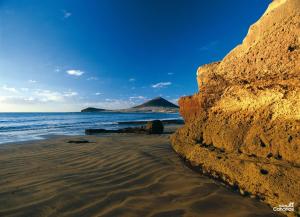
[{"x": 110, "y": 177}]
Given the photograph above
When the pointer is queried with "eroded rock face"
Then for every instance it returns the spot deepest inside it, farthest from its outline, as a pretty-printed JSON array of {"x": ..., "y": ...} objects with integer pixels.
[{"x": 245, "y": 119}]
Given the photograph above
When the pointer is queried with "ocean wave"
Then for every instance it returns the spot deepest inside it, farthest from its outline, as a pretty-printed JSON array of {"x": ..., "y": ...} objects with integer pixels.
[{"x": 16, "y": 127}]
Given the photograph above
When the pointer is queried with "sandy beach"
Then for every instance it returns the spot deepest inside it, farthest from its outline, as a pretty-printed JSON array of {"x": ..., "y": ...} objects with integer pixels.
[{"x": 111, "y": 175}]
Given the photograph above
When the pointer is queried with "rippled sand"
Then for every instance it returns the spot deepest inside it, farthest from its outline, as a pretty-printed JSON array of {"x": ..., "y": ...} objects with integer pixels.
[{"x": 119, "y": 175}]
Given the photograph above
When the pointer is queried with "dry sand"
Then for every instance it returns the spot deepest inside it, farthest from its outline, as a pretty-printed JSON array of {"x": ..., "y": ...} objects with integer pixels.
[{"x": 112, "y": 175}]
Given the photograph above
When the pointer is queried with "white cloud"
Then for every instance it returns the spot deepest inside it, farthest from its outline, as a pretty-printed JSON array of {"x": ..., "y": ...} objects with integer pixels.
[
  {"x": 98, "y": 94},
  {"x": 161, "y": 84},
  {"x": 24, "y": 89},
  {"x": 9, "y": 89},
  {"x": 75, "y": 72},
  {"x": 67, "y": 14},
  {"x": 32, "y": 81},
  {"x": 132, "y": 79}
]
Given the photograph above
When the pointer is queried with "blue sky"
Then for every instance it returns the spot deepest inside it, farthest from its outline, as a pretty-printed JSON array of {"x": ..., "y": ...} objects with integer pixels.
[{"x": 63, "y": 55}]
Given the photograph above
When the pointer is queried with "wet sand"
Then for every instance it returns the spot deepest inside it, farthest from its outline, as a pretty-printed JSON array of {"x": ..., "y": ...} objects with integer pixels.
[{"x": 112, "y": 175}]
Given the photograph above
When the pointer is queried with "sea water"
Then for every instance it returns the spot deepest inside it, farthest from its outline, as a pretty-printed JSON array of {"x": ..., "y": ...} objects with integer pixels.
[{"x": 17, "y": 127}]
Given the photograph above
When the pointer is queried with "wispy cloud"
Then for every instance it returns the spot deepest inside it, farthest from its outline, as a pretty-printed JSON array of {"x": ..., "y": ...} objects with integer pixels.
[
  {"x": 132, "y": 80},
  {"x": 47, "y": 96},
  {"x": 170, "y": 73},
  {"x": 92, "y": 79},
  {"x": 17, "y": 100},
  {"x": 137, "y": 97},
  {"x": 53, "y": 96},
  {"x": 161, "y": 84},
  {"x": 10, "y": 89},
  {"x": 111, "y": 104},
  {"x": 70, "y": 94},
  {"x": 66, "y": 14},
  {"x": 209, "y": 46},
  {"x": 98, "y": 94},
  {"x": 32, "y": 81},
  {"x": 24, "y": 89},
  {"x": 36, "y": 96},
  {"x": 75, "y": 72}
]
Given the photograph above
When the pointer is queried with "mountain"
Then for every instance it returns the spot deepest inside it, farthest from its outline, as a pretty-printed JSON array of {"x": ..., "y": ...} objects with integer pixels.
[
  {"x": 243, "y": 125},
  {"x": 157, "y": 102},
  {"x": 91, "y": 109}
]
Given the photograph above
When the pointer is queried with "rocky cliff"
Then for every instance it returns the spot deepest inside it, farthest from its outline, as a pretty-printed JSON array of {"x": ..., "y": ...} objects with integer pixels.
[{"x": 243, "y": 126}]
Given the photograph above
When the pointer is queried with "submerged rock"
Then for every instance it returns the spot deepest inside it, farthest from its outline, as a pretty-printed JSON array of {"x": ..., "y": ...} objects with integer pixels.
[
  {"x": 123, "y": 130},
  {"x": 78, "y": 141},
  {"x": 244, "y": 123}
]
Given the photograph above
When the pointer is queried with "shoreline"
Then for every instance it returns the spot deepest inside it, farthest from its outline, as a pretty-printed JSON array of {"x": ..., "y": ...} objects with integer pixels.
[{"x": 121, "y": 124}]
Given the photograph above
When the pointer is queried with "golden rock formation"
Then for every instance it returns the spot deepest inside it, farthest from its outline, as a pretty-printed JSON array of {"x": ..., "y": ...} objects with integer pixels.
[{"x": 243, "y": 126}]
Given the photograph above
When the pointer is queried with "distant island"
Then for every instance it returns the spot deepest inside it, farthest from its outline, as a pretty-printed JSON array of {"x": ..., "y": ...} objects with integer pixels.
[
  {"x": 158, "y": 104},
  {"x": 91, "y": 109}
]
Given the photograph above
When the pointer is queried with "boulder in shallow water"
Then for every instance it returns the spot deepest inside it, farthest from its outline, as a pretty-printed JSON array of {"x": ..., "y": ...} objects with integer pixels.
[{"x": 155, "y": 127}]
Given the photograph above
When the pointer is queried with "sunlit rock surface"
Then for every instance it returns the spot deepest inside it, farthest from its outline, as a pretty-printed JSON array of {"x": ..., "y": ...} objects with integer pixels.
[{"x": 243, "y": 126}]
